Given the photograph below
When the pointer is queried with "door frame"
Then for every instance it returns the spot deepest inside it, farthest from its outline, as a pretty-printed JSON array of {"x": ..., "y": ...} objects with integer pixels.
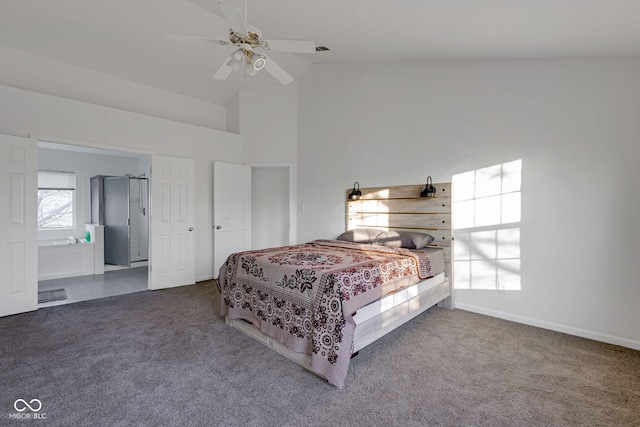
[
  {"x": 293, "y": 199},
  {"x": 99, "y": 146}
]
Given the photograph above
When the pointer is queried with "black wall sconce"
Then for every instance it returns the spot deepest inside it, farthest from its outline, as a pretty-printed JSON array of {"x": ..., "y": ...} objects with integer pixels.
[
  {"x": 355, "y": 193},
  {"x": 428, "y": 190}
]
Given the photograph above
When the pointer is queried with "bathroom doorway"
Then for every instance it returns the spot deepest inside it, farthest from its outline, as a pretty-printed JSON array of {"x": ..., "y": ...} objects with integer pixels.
[{"x": 81, "y": 270}]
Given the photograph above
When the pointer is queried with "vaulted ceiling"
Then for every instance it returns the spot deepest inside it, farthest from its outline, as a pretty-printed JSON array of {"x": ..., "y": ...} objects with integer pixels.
[{"x": 126, "y": 38}]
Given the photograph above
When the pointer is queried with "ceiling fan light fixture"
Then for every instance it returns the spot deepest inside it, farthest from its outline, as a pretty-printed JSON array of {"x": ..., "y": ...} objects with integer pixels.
[
  {"x": 237, "y": 55},
  {"x": 259, "y": 63},
  {"x": 246, "y": 38}
]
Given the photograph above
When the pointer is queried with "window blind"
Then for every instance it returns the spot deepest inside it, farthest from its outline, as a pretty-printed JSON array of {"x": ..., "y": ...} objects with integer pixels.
[{"x": 54, "y": 180}]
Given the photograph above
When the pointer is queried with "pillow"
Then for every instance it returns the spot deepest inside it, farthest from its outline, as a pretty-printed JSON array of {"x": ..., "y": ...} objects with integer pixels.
[
  {"x": 360, "y": 235},
  {"x": 405, "y": 239}
]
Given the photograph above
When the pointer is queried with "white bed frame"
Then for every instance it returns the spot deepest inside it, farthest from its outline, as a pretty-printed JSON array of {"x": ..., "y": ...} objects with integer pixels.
[{"x": 390, "y": 208}]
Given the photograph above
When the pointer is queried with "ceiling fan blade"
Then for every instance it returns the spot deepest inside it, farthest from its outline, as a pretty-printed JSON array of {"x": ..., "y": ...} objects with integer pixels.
[
  {"x": 276, "y": 71},
  {"x": 233, "y": 15},
  {"x": 295, "y": 46},
  {"x": 207, "y": 40},
  {"x": 224, "y": 70}
]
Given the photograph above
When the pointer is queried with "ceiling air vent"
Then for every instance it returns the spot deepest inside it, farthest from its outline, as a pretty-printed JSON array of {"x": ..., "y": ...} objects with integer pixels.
[{"x": 322, "y": 49}]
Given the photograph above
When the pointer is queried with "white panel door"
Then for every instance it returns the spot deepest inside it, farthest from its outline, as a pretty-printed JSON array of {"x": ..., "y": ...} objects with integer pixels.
[
  {"x": 172, "y": 222},
  {"x": 18, "y": 225},
  {"x": 231, "y": 211}
]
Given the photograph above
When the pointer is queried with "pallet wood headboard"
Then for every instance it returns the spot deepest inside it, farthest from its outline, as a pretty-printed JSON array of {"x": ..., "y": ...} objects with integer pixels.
[{"x": 402, "y": 208}]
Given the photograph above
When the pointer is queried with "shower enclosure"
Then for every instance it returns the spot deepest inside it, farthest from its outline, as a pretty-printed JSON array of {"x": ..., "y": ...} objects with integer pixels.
[{"x": 120, "y": 203}]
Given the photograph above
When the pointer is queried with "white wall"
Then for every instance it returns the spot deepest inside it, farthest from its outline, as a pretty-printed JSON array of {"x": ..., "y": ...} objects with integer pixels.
[
  {"x": 63, "y": 120},
  {"x": 39, "y": 74},
  {"x": 233, "y": 115},
  {"x": 269, "y": 124},
  {"x": 269, "y": 130},
  {"x": 574, "y": 124}
]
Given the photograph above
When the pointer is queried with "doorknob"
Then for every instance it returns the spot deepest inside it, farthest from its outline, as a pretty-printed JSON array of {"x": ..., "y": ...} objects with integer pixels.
[
  {"x": 218, "y": 227},
  {"x": 190, "y": 228}
]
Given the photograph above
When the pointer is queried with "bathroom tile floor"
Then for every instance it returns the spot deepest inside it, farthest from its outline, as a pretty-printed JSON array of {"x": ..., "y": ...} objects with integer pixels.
[{"x": 82, "y": 288}]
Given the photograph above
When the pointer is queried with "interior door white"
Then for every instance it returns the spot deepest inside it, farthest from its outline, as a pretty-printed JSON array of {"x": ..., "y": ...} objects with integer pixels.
[
  {"x": 18, "y": 225},
  {"x": 231, "y": 211},
  {"x": 172, "y": 222}
]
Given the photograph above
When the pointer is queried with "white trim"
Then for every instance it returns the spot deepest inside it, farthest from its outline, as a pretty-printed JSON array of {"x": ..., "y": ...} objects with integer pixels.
[
  {"x": 583, "y": 333},
  {"x": 293, "y": 196},
  {"x": 108, "y": 149},
  {"x": 87, "y": 144}
]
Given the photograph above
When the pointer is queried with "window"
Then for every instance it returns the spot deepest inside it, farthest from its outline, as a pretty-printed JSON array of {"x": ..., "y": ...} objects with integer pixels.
[
  {"x": 487, "y": 228},
  {"x": 56, "y": 199}
]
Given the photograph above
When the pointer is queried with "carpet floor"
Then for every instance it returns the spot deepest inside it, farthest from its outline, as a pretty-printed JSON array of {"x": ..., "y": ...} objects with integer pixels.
[{"x": 165, "y": 358}]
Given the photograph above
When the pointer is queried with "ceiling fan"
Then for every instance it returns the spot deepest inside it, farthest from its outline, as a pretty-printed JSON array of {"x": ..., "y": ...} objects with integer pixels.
[{"x": 249, "y": 55}]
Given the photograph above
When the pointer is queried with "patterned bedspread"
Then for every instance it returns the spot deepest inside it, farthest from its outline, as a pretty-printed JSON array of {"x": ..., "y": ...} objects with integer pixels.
[{"x": 305, "y": 295}]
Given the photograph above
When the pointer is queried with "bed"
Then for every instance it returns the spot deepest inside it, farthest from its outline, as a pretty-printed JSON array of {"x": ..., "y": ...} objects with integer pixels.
[{"x": 321, "y": 302}]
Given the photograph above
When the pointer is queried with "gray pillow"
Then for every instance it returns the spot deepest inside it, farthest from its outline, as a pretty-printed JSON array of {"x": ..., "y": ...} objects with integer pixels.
[
  {"x": 360, "y": 235},
  {"x": 405, "y": 239}
]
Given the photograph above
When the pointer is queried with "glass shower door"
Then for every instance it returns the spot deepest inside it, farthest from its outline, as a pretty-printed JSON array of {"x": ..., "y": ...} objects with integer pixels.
[{"x": 116, "y": 221}]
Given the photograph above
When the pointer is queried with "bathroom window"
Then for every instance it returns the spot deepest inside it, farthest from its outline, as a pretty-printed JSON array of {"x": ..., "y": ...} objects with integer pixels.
[{"x": 56, "y": 199}]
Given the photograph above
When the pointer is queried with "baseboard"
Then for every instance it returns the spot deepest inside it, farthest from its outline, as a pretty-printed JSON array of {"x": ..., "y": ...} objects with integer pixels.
[
  {"x": 204, "y": 278},
  {"x": 583, "y": 333}
]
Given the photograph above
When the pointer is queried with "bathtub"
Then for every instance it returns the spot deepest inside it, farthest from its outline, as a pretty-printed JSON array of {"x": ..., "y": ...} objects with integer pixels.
[
  {"x": 58, "y": 259},
  {"x": 60, "y": 242}
]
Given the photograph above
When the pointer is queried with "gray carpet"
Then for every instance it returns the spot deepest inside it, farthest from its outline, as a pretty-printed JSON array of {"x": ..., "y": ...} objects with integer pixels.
[{"x": 167, "y": 358}]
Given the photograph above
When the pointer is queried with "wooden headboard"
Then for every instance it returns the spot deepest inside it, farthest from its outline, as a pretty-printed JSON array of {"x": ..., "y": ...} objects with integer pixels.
[{"x": 402, "y": 208}]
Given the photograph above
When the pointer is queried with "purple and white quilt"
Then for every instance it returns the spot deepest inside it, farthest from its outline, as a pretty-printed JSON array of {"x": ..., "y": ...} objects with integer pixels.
[{"x": 305, "y": 295}]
